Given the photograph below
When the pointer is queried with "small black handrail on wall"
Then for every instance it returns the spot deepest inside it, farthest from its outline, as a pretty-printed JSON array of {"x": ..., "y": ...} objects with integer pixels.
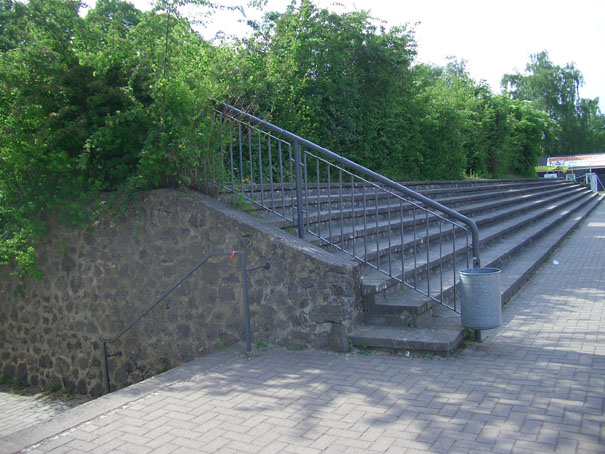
[{"x": 244, "y": 270}]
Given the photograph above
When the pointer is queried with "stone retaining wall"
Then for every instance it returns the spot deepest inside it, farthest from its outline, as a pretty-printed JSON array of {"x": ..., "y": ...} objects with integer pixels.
[{"x": 94, "y": 284}]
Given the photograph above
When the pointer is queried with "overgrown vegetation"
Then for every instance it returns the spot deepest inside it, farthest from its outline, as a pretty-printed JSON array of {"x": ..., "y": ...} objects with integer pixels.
[{"x": 119, "y": 100}]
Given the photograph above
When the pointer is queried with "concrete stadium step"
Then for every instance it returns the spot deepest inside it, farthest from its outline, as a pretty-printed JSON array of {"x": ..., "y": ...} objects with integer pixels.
[
  {"x": 408, "y": 321},
  {"x": 379, "y": 249},
  {"x": 386, "y": 221},
  {"x": 344, "y": 234},
  {"x": 281, "y": 201},
  {"x": 503, "y": 242},
  {"x": 515, "y": 230},
  {"x": 518, "y": 220},
  {"x": 323, "y": 207}
]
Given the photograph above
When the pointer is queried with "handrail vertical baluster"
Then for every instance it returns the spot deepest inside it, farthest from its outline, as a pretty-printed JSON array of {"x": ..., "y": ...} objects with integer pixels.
[
  {"x": 382, "y": 248},
  {"x": 271, "y": 173},
  {"x": 318, "y": 199},
  {"x": 281, "y": 178},
  {"x": 402, "y": 241},
  {"x": 353, "y": 216},
  {"x": 299, "y": 196},
  {"x": 241, "y": 158},
  {"x": 454, "y": 260},
  {"x": 260, "y": 171},
  {"x": 428, "y": 257},
  {"x": 342, "y": 227},
  {"x": 440, "y": 260},
  {"x": 389, "y": 234},
  {"x": 415, "y": 263},
  {"x": 377, "y": 228},
  {"x": 250, "y": 161},
  {"x": 292, "y": 180},
  {"x": 329, "y": 208},
  {"x": 231, "y": 155},
  {"x": 365, "y": 226},
  {"x": 307, "y": 195}
]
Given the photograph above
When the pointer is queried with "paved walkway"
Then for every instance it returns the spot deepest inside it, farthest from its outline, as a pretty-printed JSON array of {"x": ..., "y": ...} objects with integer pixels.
[
  {"x": 536, "y": 385},
  {"x": 19, "y": 411}
]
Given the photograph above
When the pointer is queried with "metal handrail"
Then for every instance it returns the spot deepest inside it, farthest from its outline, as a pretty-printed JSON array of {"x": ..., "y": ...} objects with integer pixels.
[
  {"x": 244, "y": 270},
  {"x": 298, "y": 141},
  {"x": 343, "y": 205}
]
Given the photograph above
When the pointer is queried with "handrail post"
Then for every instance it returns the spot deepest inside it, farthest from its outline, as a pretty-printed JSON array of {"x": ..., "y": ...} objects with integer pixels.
[
  {"x": 244, "y": 263},
  {"x": 299, "y": 196},
  {"x": 246, "y": 302},
  {"x": 476, "y": 258},
  {"x": 106, "y": 368}
]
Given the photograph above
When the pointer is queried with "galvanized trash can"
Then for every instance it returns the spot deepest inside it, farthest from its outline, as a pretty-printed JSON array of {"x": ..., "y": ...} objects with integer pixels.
[{"x": 480, "y": 300}]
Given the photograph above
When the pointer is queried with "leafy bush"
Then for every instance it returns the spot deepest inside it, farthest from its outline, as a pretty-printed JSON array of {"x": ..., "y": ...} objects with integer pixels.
[{"x": 120, "y": 101}]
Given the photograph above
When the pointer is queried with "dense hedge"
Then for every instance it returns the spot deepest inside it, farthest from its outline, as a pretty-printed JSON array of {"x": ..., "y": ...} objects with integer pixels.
[{"x": 117, "y": 101}]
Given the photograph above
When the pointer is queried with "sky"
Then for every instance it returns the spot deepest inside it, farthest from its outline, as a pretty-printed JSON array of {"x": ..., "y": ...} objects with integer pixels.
[{"x": 494, "y": 37}]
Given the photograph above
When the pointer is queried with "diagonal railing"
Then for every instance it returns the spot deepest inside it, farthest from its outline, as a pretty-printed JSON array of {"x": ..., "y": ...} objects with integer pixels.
[
  {"x": 343, "y": 205},
  {"x": 172, "y": 288}
]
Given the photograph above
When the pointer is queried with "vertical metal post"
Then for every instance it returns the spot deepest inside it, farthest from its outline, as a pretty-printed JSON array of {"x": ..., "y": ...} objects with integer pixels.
[
  {"x": 415, "y": 265},
  {"x": 106, "y": 367},
  {"x": 306, "y": 177},
  {"x": 342, "y": 219},
  {"x": 299, "y": 196},
  {"x": 281, "y": 177},
  {"x": 291, "y": 176},
  {"x": 377, "y": 232},
  {"x": 402, "y": 242},
  {"x": 440, "y": 263},
  {"x": 246, "y": 302},
  {"x": 330, "y": 240},
  {"x": 260, "y": 170},
  {"x": 428, "y": 256},
  {"x": 241, "y": 157},
  {"x": 353, "y": 215},
  {"x": 467, "y": 248},
  {"x": 389, "y": 232},
  {"x": 318, "y": 200},
  {"x": 454, "y": 261},
  {"x": 365, "y": 225},
  {"x": 231, "y": 156},
  {"x": 250, "y": 162},
  {"x": 270, "y": 172}
]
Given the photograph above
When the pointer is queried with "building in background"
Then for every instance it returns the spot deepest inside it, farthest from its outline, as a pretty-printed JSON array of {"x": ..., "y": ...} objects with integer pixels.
[{"x": 575, "y": 168}]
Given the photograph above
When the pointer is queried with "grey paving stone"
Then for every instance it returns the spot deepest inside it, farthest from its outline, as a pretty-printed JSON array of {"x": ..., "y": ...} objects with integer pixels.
[
  {"x": 19, "y": 411},
  {"x": 536, "y": 384}
]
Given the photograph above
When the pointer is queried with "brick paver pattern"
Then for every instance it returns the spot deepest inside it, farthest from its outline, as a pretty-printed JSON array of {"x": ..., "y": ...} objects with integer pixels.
[
  {"x": 19, "y": 411},
  {"x": 536, "y": 385}
]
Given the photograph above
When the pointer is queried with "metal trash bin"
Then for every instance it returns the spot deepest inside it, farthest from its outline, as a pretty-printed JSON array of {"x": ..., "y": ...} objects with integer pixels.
[{"x": 480, "y": 299}]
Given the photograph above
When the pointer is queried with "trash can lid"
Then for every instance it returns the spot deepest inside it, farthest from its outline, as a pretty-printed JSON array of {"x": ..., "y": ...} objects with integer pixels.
[{"x": 472, "y": 271}]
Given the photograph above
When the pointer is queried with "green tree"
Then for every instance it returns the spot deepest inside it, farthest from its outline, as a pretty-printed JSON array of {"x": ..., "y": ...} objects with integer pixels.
[
  {"x": 524, "y": 141},
  {"x": 42, "y": 125},
  {"x": 335, "y": 79},
  {"x": 481, "y": 122},
  {"x": 555, "y": 90},
  {"x": 87, "y": 105}
]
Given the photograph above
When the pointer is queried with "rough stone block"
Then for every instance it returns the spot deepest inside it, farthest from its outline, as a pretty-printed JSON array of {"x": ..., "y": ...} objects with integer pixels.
[
  {"x": 339, "y": 341},
  {"x": 328, "y": 313}
]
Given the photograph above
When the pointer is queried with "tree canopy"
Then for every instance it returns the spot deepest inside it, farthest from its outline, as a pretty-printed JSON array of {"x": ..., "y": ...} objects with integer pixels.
[
  {"x": 118, "y": 100},
  {"x": 556, "y": 90}
]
